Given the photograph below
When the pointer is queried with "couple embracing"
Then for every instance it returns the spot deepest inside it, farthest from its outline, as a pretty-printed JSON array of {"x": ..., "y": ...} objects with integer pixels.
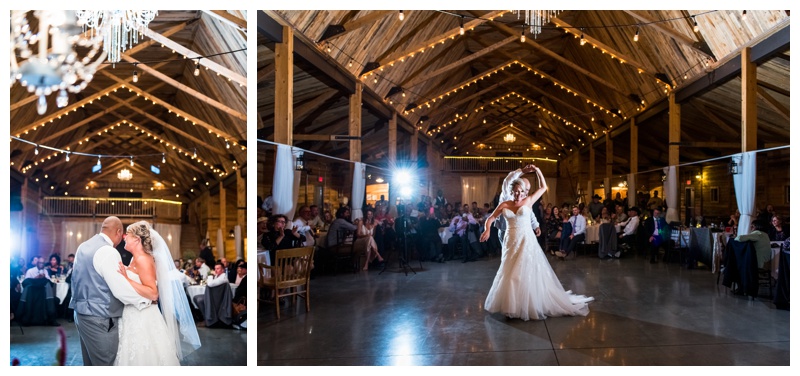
[{"x": 117, "y": 307}]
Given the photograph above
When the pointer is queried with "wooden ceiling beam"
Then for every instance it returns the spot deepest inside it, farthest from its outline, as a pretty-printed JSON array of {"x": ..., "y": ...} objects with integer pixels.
[
  {"x": 668, "y": 31},
  {"x": 460, "y": 62},
  {"x": 66, "y": 110},
  {"x": 774, "y": 88},
  {"x": 303, "y": 110},
  {"x": 439, "y": 37},
  {"x": 773, "y": 103},
  {"x": 439, "y": 111},
  {"x": 229, "y": 19},
  {"x": 176, "y": 110},
  {"x": 188, "y": 90},
  {"x": 210, "y": 64},
  {"x": 266, "y": 73},
  {"x": 353, "y": 25}
]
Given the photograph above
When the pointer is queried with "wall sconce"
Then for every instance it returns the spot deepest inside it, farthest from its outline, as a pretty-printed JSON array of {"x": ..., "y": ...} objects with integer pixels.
[
  {"x": 663, "y": 177},
  {"x": 733, "y": 168},
  {"x": 231, "y": 234}
]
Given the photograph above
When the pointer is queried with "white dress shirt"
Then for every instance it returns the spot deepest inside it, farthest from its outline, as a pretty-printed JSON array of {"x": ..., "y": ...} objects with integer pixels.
[
  {"x": 630, "y": 226},
  {"x": 106, "y": 262},
  {"x": 35, "y": 272},
  {"x": 203, "y": 270},
  {"x": 304, "y": 228},
  {"x": 217, "y": 280},
  {"x": 578, "y": 224}
]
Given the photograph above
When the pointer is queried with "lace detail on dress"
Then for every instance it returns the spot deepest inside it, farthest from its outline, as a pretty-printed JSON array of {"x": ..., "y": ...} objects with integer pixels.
[{"x": 143, "y": 337}]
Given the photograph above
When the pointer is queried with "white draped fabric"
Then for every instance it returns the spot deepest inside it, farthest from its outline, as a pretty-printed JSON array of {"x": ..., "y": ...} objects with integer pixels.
[
  {"x": 172, "y": 236},
  {"x": 237, "y": 237},
  {"x": 745, "y": 184},
  {"x": 671, "y": 194},
  {"x": 284, "y": 194},
  {"x": 480, "y": 189},
  {"x": 359, "y": 190},
  {"x": 220, "y": 244},
  {"x": 631, "y": 190},
  {"x": 75, "y": 233}
]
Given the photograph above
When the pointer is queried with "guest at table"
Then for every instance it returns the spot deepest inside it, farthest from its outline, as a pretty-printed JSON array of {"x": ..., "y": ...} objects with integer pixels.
[
  {"x": 34, "y": 262},
  {"x": 619, "y": 215},
  {"x": 217, "y": 279},
  {"x": 604, "y": 217},
  {"x": 627, "y": 235},
  {"x": 262, "y": 230},
  {"x": 618, "y": 201},
  {"x": 766, "y": 214},
  {"x": 39, "y": 271},
  {"x": 365, "y": 242},
  {"x": 327, "y": 220},
  {"x": 279, "y": 237},
  {"x": 552, "y": 224},
  {"x": 70, "y": 263},
  {"x": 341, "y": 223},
  {"x": 779, "y": 231},
  {"x": 177, "y": 264},
  {"x": 759, "y": 236},
  {"x": 734, "y": 221},
  {"x": 316, "y": 219},
  {"x": 595, "y": 206},
  {"x": 241, "y": 282},
  {"x": 233, "y": 270},
  {"x": 657, "y": 230},
  {"x": 304, "y": 227},
  {"x": 201, "y": 268},
  {"x": 54, "y": 268},
  {"x": 566, "y": 232},
  {"x": 459, "y": 226}
]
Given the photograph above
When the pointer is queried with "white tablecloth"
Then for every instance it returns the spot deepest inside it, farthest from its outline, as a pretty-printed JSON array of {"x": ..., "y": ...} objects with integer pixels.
[
  {"x": 592, "y": 234},
  {"x": 720, "y": 241},
  {"x": 445, "y": 234},
  {"x": 776, "y": 258},
  {"x": 263, "y": 258},
  {"x": 194, "y": 290},
  {"x": 62, "y": 288}
]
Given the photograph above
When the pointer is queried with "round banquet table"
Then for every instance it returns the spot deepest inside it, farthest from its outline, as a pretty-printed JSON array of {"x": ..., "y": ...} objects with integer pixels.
[{"x": 194, "y": 290}]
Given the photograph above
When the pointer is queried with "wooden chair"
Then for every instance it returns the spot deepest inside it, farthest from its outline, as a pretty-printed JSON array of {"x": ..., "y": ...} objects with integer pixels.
[
  {"x": 291, "y": 271},
  {"x": 344, "y": 250}
]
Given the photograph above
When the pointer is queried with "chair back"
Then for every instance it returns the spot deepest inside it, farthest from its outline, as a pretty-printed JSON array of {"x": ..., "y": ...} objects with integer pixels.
[{"x": 292, "y": 266}]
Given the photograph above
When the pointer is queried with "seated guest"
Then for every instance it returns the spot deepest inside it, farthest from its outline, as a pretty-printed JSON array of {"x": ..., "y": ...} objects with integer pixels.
[
  {"x": 619, "y": 215},
  {"x": 595, "y": 206},
  {"x": 327, "y": 220},
  {"x": 761, "y": 241},
  {"x": 217, "y": 279},
  {"x": 70, "y": 263},
  {"x": 201, "y": 269},
  {"x": 316, "y": 219},
  {"x": 279, "y": 237},
  {"x": 241, "y": 281},
  {"x": 365, "y": 242},
  {"x": 304, "y": 226},
  {"x": 34, "y": 262},
  {"x": 553, "y": 224},
  {"x": 261, "y": 229},
  {"x": 604, "y": 216},
  {"x": 779, "y": 231},
  {"x": 341, "y": 223},
  {"x": 39, "y": 271},
  {"x": 627, "y": 234},
  {"x": 734, "y": 221},
  {"x": 54, "y": 268}
]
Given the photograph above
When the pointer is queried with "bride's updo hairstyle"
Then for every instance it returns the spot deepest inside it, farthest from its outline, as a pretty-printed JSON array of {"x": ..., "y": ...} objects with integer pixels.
[
  {"x": 517, "y": 183},
  {"x": 141, "y": 230}
]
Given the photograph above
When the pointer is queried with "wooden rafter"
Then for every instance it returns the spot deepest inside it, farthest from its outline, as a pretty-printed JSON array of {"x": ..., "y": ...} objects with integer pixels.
[
  {"x": 229, "y": 19},
  {"x": 210, "y": 64},
  {"x": 668, "y": 31}
]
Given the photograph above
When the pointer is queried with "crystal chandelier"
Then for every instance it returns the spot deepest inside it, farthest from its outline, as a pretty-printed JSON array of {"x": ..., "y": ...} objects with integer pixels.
[
  {"x": 119, "y": 28},
  {"x": 44, "y": 71},
  {"x": 124, "y": 175},
  {"x": 510, "y": 138},
  {"x": 536, "y": 18}
]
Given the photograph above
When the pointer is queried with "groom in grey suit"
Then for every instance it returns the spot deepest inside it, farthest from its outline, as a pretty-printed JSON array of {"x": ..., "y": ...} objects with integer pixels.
[
  {"x": 99, "y": 293},
  {"x": 506, "y": 195}
]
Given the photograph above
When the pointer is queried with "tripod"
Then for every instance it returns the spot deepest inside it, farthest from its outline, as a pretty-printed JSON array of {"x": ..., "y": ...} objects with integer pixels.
[{"x": 402, "y": 258}]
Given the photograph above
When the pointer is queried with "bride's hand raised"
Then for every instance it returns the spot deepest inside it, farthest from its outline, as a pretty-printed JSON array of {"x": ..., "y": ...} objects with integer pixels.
[{"x": 122, "y": 270}]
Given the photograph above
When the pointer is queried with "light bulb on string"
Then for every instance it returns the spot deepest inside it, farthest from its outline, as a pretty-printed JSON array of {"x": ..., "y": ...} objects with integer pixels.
[
  {"x": 131, "y": 161},
  {"x": 401, "y": 16},
  {"x": 195, "y": 153},
  {"x": 744, "y": 15},
  {"x": 163, "y": 158},
  {"x": 135, "y": 77},
  {"x": 522, "y": 36},
  {"x": 36, "y": 150},
  {"x": 67, "y": 156},
  {"x": 98, "y": 162},
  {"x": 696, "y": 28},
  {"x": 227, "y": 145},
  {"x": 461, "y": 27},
  {"x": 636, "y": 36},
  {"x": 583, "y": 40},
  {"x": 197, "y": 68}
]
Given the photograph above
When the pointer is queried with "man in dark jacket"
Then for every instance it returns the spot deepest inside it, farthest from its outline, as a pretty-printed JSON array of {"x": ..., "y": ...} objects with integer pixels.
[{"x": 657, "y": 230}]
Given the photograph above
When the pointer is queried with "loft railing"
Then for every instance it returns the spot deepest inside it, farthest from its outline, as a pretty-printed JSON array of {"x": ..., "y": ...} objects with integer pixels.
[
  {"x": 489, "y": 164},
  {"x": 103, "y": 207}
]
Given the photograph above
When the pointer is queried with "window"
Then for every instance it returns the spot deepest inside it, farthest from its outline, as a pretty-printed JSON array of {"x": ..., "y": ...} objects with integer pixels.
[{"x": 715, "y": 194}]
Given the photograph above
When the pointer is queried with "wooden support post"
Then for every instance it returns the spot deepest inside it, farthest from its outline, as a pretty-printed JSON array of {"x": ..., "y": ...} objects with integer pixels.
[
  {"x": 355, "y": 123},
  {"x": 609, "y": 163},
  {"x": 241, "y": 210},
  {"x": 749, "y": 102},
  {"x": 414, "y": 146},
  {"x": 590, "y": 186},
  {"x": 284, "y": 88},
  {"x": 674, "y": 130},
  {"x": 222, "y": 217},
  {"x": 393, "y": 140},
  {"x": 634, "y": 148}
]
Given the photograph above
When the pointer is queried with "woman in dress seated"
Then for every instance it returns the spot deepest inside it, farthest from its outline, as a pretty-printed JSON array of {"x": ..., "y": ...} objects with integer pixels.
[
  {"x": 365, "y": 242},
  {"x": 778, "y": 232},
  {"x": 54, "y": 268}
]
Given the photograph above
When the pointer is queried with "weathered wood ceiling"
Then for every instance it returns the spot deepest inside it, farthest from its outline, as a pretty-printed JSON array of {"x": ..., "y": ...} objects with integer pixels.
[
  {"x": 202, "y": 114},
  {"x": 559, "y": 94}
]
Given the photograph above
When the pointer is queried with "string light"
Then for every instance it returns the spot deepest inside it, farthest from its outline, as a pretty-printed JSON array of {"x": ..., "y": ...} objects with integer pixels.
[
  {"x": 583, "y": 40},
  {"x": 522, "y": 36},
  {"x": 744, "y": 15},
  {"x": 131, "y": 161},
  {"x": 461, "y": 26},
  {"x": 197, "y": 68},
  {"x": 636, "y": 36},
  {"x": 67, "y": 156},
  {"x": 135, "y": 74},
  {"x": 227, "y": 145},
  {"x": 696, "y": 28},
  {"x": 401, "y": 16},
  {"x": 163, "y": 158},
  {"x": 36, "y": 150}
]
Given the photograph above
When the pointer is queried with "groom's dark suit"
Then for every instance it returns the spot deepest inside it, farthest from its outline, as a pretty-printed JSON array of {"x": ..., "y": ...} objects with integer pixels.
[{"x": 99, "y": 294}]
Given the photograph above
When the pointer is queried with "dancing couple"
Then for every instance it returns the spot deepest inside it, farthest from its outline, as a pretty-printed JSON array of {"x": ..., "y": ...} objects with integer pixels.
[
  {"x": 525, "y": 286},
  {"x": 117, "y": 307}
]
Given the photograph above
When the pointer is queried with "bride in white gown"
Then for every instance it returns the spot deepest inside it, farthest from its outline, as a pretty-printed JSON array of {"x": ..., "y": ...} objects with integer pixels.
[
  {"x": 154, "y": 336},
  {"x": 525, "y": 286}
]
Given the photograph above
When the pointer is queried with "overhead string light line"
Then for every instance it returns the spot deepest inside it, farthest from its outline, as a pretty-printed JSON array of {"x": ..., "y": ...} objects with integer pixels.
[
  {"x": 322, "y": 155},
  {"x": 329, "y": 46}
]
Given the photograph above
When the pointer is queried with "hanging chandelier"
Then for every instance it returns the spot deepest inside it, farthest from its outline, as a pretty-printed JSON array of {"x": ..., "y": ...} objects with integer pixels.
[
  {"x": 119, "y": 28},
  {"x": 536, "y": 18},
  {"x": 510, "y": 138},
  {"x": 124, "y": 175},
  {"x": 57, "y": 67}
]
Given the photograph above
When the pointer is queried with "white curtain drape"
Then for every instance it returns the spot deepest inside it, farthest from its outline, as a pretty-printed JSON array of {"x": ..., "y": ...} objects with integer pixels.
[
  {"x": 284, "y": 194},
  {"x": 671, "y": 194},
  {"x": 75, "y": 233},
  {"x": 220, "y": 244},
  {"x": 631, "y": 190},
  {"x": 745, "y": 184},
  {"x": 359, "y": 190},
  {"x": 237, "y": 236},
  {"x": 480, "y": 189},
  {"x": 550, "y": 196},
  {"x": 172, "y": 236}
]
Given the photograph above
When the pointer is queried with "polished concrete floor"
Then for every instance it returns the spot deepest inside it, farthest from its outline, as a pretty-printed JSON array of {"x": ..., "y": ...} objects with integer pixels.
[
  {"x": 38, "y": 344},
  {"x": 643, "y": 314}
]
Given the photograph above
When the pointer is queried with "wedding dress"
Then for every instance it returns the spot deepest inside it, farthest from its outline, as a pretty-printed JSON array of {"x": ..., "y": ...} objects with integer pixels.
[
  {"x": 525, "y": 286},
  {"x": 143, "y": 337}
]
